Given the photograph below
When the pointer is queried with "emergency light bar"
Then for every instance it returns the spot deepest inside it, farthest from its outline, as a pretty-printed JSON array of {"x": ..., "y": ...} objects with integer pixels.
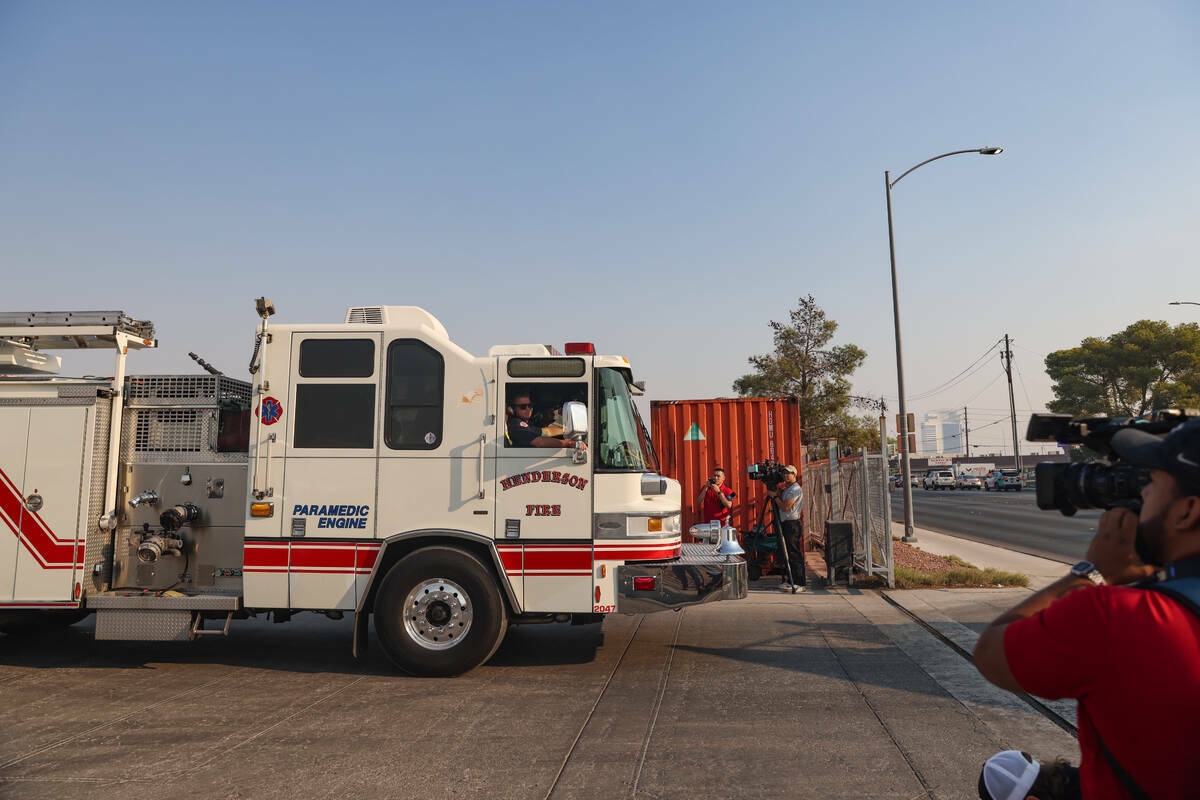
[{"x": 579, "y": 349}]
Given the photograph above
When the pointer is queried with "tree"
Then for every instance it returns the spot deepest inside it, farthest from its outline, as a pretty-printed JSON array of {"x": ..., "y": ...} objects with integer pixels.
[
  {"x": 804, "y": 365},
  {"x": 1148, "y": 365},
  {"x": 856, "y": 432}
]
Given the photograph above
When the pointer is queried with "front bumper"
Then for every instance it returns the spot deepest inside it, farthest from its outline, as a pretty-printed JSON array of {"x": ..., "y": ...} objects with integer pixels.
[{"x": 699, "y": 575}]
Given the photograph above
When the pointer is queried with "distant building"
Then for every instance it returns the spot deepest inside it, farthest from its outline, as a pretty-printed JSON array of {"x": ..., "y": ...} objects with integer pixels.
[{"x": 941, "y": 432}]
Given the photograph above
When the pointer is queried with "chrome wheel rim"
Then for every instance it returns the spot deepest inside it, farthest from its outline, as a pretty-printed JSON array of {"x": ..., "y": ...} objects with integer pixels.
[{"x": 437, "y": 614}]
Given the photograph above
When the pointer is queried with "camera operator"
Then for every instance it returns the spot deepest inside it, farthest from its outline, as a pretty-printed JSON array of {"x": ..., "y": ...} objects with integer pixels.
[
  {"x": 1129, "y": 653},
  {"x": 790, "y": 502},
  {"x": 715, "y": 498}
]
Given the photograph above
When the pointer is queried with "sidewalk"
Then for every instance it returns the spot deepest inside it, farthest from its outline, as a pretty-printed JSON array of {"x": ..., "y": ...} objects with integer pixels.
[{"x": 961, "y": 614}]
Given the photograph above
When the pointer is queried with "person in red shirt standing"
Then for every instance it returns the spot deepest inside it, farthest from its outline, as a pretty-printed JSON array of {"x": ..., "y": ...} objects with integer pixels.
[
  {"x": 1130, "y": 656},
  {"x": 715, "y": 498}
]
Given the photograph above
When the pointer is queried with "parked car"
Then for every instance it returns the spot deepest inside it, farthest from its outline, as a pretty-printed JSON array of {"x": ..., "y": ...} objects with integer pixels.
[
  {"x": 1002, "y": 480},
  {"x": 897, "y": 481},
  {"x": 915, "y": 480},
  {"x": 939, "y": 479},
  {"x": 968, "y": 482}
]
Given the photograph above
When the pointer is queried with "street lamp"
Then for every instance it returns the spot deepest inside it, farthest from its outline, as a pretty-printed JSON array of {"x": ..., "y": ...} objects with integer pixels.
[{"x": 909, "y": 535}]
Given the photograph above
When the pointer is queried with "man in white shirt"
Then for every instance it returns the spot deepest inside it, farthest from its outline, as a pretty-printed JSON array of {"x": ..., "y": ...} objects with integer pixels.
[{"x": 789, "y": 503}]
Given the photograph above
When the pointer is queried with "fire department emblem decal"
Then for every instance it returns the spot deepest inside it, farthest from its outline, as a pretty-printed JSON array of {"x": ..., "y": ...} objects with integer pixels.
[{"x": 272, "y": 410}]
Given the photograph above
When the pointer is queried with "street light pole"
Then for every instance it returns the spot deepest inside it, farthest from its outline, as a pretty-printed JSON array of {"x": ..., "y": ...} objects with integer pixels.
[{"x": 888, "y": 183}]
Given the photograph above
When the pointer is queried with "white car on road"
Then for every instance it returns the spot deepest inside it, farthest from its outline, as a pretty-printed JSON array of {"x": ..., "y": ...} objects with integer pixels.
[
  {"x": 1002, "y": 480},
  {"x": 968, "y": 482},
  {"x": 939, "y": 479}
]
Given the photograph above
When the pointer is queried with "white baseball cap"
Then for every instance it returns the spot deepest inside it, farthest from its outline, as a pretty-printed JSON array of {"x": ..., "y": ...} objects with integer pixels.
[{"x": 1008, "y": 775}]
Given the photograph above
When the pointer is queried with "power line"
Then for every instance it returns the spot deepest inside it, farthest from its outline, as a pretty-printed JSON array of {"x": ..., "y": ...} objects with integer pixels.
[
  {"x": 950, "y": 383},
  {"x": 1023, "y": 389},
  {"x": 984, "y": 389},
  {"x": 957, "y": 379}
]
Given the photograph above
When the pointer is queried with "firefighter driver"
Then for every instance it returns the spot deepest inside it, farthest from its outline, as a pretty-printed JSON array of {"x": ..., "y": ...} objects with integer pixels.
[{"x": 523, "y": 432}]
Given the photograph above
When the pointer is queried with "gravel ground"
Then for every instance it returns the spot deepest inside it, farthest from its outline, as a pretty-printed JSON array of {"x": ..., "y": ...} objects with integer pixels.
[{"x": 909, "y": 556}]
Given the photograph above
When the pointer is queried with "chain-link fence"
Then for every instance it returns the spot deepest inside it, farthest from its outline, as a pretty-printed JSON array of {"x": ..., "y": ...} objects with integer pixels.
[{"x": 858, "y": 493}]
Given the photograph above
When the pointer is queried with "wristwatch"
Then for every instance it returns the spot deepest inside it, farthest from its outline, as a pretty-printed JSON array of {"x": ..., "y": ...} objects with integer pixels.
[{"x": 1086, "y": 569}]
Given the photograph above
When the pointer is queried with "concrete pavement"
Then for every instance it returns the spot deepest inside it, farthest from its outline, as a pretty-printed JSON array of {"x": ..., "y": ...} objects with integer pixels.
[
  {"x": 830, "y": 693},
  {"x": 961, "y": 614}
]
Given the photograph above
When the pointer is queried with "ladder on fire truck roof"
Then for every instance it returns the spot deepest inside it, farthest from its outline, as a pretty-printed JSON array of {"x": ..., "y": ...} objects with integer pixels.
[
  {"x": 77, "y": 330},
  {"x": 81, "y": 330}
]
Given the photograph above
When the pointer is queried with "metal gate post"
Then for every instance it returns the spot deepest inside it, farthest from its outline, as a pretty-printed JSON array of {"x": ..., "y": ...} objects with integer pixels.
[
  {"x": 887, "y": 528},
  {"x": 868, "y": 532},
  {"x": 835, "y": 480}
]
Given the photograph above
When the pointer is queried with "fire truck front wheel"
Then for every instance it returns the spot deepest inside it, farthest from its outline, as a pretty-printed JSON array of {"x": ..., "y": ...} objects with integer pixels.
[{"x": 439, "y": 613}]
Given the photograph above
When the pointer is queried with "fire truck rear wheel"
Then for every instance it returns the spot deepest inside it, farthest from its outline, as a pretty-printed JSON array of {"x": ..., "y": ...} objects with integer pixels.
[{"x": 439, "y": 613}]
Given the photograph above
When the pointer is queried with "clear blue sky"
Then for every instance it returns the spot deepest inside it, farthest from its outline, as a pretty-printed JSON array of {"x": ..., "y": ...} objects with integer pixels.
[{"x": 661, "y": 178}]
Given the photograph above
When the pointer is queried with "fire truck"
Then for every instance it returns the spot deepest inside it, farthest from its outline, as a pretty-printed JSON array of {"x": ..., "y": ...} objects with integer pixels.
[{"x": 368, "y": 468}]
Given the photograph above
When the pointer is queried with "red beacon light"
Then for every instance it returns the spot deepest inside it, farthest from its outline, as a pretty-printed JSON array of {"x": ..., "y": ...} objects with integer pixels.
[{"x": 579, "y": 349}]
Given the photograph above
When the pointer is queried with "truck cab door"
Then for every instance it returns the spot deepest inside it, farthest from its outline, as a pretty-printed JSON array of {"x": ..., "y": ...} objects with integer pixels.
[
  {"x": 543, "y": 497},
  {"x": 329, "y": 481}
]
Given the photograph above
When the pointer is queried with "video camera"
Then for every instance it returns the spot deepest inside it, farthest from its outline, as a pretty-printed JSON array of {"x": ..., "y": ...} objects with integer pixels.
[
  {"x": 770, "y": 473},
  {"x": 1094, "y": 484}
]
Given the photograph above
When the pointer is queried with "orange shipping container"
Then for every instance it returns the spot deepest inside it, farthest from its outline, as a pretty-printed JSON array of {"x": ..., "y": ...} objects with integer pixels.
[{"x": 693, "y": 436}]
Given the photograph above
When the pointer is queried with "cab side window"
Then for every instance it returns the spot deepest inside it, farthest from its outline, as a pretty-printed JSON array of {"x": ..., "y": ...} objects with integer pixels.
[
  {"x": 335, "y": 415},
  {"x": 533, "y": 412},
  {"x": 416, "y": 381}
]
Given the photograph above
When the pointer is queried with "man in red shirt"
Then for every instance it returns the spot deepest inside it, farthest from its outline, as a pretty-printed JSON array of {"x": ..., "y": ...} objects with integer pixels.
[
  {"x": 1129, "y": 655},
  {"x": 715, "y": 498}
]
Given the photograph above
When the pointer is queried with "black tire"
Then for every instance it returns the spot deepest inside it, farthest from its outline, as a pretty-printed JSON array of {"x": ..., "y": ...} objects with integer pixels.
[
  {"x": 754, "y": 571},
  {"x": 453, "y": 588}
]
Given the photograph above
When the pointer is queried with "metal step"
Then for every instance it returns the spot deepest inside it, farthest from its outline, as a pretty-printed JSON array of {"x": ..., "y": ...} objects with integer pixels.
[
  {"x": 151, "y": 602},
  {"x": 150, "y": 618}
]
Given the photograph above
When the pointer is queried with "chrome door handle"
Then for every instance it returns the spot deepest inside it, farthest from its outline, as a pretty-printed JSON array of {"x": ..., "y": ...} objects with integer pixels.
[{"x": 482, "y": 439}]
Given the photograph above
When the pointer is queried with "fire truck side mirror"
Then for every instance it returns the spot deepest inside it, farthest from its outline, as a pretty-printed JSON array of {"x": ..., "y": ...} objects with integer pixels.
[{"x": 575, "y": 421}]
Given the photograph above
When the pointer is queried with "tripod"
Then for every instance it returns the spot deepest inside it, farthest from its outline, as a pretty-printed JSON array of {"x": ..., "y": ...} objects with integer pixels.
[{"x": 779, "y": 537}]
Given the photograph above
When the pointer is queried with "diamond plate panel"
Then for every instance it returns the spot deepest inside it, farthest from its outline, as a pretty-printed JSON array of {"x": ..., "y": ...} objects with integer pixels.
[
  {"x": 154, "y": 603},
  {"x": 147, "y": 626}
]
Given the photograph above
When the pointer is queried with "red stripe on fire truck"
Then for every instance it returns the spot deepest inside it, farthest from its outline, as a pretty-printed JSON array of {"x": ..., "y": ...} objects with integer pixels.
[
  {"x": 635, "y": 552},
  {"x": 558, "y": 559},
  {"x": 47, "y": 549},
  {"x": 303, "y": 557}
]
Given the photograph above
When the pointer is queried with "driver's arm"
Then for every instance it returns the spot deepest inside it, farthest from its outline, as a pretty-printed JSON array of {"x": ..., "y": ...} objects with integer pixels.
[{"x": 550, "y": 441}]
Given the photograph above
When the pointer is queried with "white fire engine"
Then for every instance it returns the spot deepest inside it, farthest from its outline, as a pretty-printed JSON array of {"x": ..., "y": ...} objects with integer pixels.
[{"x": 370, "y": 468}]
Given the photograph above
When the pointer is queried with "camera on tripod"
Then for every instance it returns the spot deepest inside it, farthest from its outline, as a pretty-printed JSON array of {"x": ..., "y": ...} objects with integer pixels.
[
  {"x": 1111, "y": 483},
  {"x": 770, "y": 473}
]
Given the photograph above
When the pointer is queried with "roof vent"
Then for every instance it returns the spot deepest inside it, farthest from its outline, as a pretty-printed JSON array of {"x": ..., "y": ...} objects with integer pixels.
[{"x": 365, "y": 315}]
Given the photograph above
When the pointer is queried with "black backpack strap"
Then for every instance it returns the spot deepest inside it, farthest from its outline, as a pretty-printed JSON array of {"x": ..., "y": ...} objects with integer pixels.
[{"x": 1127, "y": 781}]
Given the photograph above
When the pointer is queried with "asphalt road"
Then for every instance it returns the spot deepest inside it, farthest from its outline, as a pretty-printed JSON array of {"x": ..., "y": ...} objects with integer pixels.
[{"x": 1006, "y": 519}]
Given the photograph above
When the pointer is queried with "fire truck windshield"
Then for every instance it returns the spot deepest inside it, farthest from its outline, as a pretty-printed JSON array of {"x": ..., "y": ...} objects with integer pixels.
[{"x": 623, "y": 442}]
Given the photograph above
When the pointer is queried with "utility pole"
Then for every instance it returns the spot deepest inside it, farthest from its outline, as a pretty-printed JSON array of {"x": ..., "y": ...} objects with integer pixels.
[
  {"x": 883, "y": 431},
  {"x": 1006, "y": 357},
  {"x": 966, "y": 432}
]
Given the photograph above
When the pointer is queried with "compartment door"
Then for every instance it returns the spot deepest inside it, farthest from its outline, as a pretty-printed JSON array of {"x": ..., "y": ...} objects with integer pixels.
[
  {"x": 14, "y": 434},
  {"x": 50, "y": 537}
]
